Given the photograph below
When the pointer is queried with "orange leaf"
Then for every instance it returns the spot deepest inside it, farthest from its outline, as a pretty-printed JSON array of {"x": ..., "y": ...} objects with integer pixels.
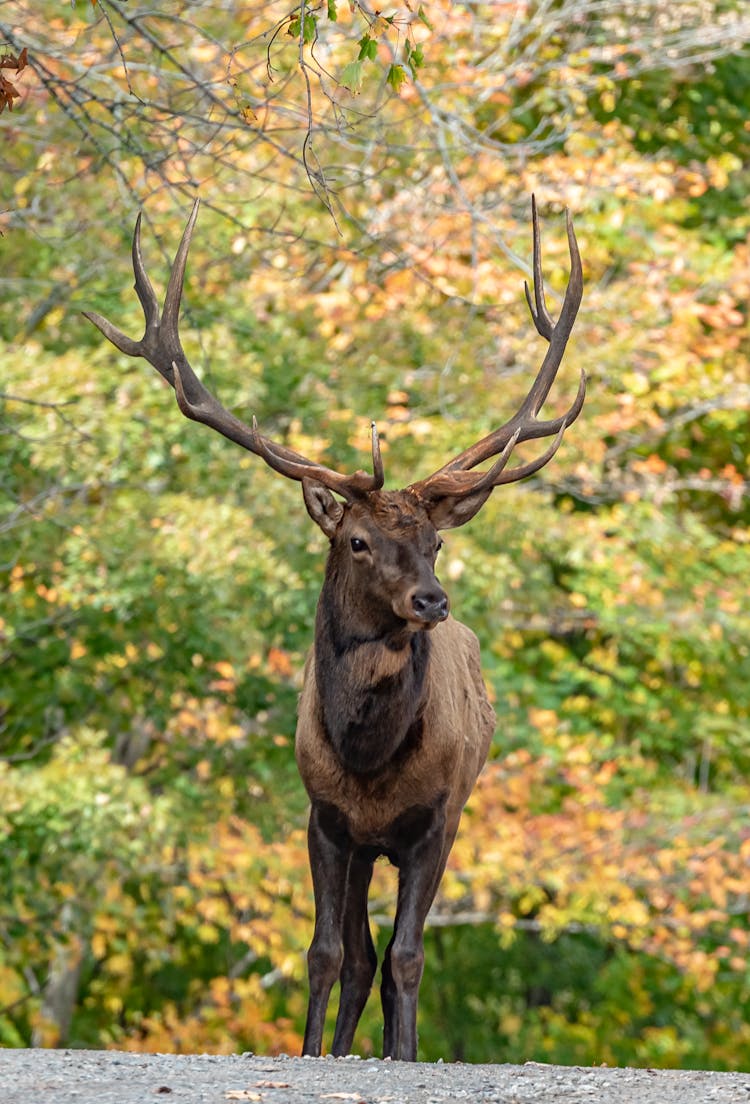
[{"x": 279, "y": 662}]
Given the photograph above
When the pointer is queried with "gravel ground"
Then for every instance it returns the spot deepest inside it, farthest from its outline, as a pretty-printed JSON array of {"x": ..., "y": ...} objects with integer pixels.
[{"x": 111, "y": 1077}]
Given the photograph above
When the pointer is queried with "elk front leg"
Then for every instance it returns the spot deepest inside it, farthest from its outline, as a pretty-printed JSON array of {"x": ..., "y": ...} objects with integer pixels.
[
  {"x": 360, "y": 960},
  {"x": 421, "y": 865},
  {"x": 330, "y": 851}
]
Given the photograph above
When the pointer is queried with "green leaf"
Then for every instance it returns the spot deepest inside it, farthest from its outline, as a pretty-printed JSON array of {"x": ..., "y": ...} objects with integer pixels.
[
  {"x": 332, "y": 12},
  {"x": 310, "y": 27},
  {"x": 368, "y": 48},
  {"x": 396, "y": 76},
  {"x": 351, "y": 76},
  {"x": 421, "y": 15}
]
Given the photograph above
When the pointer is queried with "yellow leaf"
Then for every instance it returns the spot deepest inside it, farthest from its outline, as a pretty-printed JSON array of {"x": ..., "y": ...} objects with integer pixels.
[{"x": 378, "y": 27}]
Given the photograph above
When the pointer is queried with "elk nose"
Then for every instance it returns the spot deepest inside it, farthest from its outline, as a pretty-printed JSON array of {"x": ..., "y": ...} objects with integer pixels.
[{"x": 430, "y": 605}]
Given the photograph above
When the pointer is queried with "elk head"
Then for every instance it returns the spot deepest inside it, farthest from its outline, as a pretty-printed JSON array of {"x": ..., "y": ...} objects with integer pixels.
[{"x": 383, "y": 543}]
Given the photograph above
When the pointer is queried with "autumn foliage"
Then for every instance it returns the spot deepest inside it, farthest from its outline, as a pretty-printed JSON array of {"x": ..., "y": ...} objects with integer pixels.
[
  {"x": 8, "y": 91},
  {"x": 361, "y": 254}
]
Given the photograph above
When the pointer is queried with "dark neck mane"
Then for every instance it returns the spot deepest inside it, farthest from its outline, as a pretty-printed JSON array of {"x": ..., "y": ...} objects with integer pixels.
[{"x": 370, "y": 685}]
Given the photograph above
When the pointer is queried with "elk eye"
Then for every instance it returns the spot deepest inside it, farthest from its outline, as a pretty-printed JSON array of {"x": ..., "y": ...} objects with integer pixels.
[
  {"x": 358, "y": 545},
  {"x": 440, "y": 544}
]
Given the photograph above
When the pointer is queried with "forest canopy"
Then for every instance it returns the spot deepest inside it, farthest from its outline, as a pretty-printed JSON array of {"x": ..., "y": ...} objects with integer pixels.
[{"x": 365, "y": 180}]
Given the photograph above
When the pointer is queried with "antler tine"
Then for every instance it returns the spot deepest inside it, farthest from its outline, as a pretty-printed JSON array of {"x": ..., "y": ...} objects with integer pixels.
[
  {"x": 524, "y": 425},
  {"x": 556, "y": 333},
  {"x": 143, "y": 288},
  {"x": 171, "y": 312},
  {"x": 540, "y": 315},
  {"x": 378, "y": 473},
  {"x": 161, "y": 347},
  {"x": 120, "y": 340}
]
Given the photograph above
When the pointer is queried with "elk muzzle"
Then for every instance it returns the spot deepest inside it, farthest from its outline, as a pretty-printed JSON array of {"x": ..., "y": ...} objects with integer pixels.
[{"x": 427, "y": 605}]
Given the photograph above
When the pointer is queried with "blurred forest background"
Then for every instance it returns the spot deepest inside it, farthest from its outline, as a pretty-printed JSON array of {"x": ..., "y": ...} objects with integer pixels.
[{"x": 360, "y": 253}]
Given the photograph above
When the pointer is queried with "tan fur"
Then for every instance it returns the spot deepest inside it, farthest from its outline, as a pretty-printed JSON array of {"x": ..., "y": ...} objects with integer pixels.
[
  {"x": 458, "y": 726},
  {"x": 370, "y": 662}
]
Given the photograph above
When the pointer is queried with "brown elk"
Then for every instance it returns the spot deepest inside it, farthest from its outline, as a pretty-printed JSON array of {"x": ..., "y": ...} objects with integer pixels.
[{"x": 394, "y": 721}]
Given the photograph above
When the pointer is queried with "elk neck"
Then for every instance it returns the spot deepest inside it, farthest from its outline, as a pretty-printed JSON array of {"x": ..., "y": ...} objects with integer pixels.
[{"x": 370, "y": 671}]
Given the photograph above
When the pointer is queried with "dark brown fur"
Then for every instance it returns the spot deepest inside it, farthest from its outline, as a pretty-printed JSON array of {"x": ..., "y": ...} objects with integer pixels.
[{"x": 370, "y": 688}]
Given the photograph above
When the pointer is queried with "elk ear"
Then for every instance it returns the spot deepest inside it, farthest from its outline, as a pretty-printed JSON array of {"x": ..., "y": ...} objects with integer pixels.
[
  {"x": 325, "y": 510},
  {"x": 450, "y": 511}
]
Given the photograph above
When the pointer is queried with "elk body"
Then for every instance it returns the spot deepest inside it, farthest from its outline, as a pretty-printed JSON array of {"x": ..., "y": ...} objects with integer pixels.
[{"x": 394, "y": 723}]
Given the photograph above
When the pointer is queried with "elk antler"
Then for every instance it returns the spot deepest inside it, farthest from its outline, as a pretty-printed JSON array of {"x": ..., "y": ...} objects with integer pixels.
[
  {"x": 161, "y": 347},
  {"x": 455, "y": 478}
]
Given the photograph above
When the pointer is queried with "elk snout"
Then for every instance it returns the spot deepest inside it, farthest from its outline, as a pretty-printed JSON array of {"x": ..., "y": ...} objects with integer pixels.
[{"x": 429, "y": 605}]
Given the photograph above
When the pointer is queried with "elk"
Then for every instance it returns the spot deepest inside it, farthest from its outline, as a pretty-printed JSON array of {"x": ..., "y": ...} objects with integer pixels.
[{"x": 394, "y": 722}]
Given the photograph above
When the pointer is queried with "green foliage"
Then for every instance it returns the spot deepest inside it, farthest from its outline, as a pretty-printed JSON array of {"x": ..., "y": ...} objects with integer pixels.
[
  {"x": 696, "y": 113},
  {"x": 159, "y": 586},
  {"x": 396, "y": 30}
]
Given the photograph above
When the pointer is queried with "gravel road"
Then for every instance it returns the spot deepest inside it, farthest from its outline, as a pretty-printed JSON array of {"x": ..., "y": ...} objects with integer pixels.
[{"x": 112, "y": 1077}]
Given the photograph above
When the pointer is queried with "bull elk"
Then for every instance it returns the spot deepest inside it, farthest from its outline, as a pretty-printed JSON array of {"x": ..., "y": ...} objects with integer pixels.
[{"x": 394, "y": 722}]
